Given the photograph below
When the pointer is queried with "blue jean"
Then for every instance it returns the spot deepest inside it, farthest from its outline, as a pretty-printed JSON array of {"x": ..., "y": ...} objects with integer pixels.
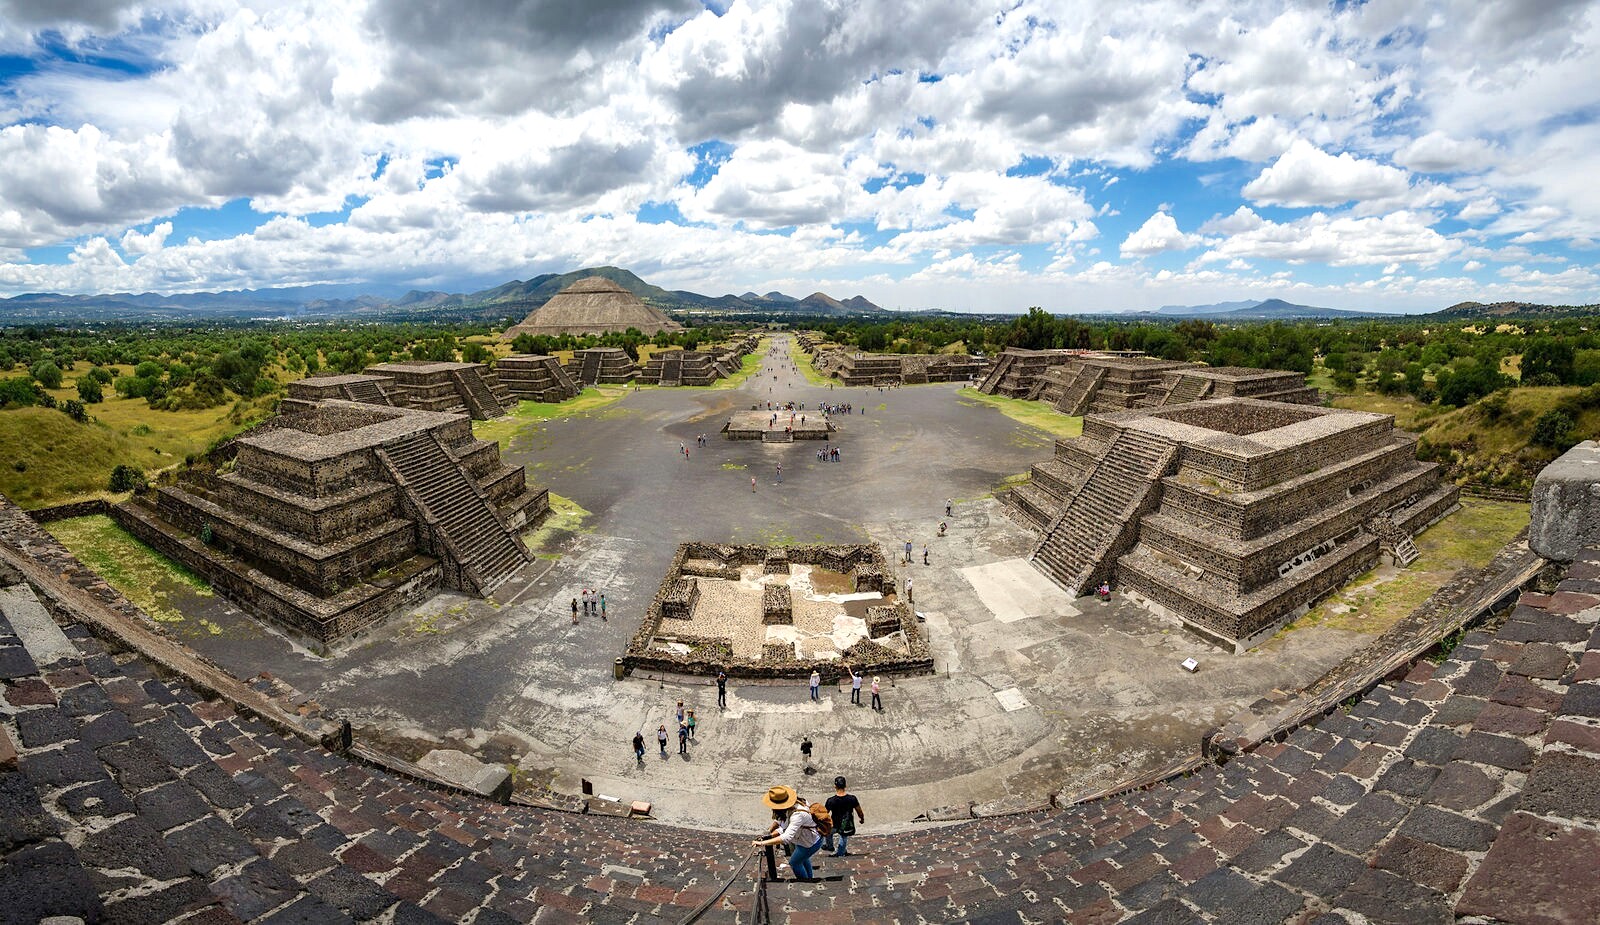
[
  {"x": 816, "y": 693},
  {"x": 800, "y": 860}
]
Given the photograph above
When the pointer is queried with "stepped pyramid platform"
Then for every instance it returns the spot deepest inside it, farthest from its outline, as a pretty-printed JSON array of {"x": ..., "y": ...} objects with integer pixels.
[
  {"x": 593, "y": 305},
  {"x": 1449, "y": 792},
  {"x": 535, "y": 377},
  {"x": 1104, "y": 383},
  {"x": 450, "y": 388},
  {"x": 682, "y": 367},
  {"x": 1231, "y": 515},
  {"x": 328, "y": 520},
  {"x": 306, "y": 394},
  {"x": 1196, "y": 382},
  {"x": 1017, "y": 372},
  {"x": 859, "y": 369},
  {"x": 759, "y": 425},
  {"x": 602, "y": 366}
]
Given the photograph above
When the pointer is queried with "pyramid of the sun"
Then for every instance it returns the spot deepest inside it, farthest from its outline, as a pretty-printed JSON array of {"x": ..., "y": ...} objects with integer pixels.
[{"x": 594, "y": 305}]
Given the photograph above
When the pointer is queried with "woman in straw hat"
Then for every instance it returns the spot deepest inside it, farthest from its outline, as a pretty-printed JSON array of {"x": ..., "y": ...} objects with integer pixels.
[{"x": 794, "y": 827}]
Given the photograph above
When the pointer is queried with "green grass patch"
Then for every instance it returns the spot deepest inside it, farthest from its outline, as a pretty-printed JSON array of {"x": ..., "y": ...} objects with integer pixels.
[
  {"x": 733, "y": 465},
  {"x": 747, "y": 368},
  {"x": 566, "y": 517},
  {"x": 591, "y": 399},
  {"x": 46, "y": 458},
  {"x": 1373, "y": 602},
  {"x": 1033, "y": 413},
  {"x": 143, "y": 575},
  {"x": 802, "y": 360}
]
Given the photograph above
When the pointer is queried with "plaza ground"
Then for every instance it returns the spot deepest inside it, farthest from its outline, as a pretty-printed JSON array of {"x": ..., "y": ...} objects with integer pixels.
[{"x": 1034, "y": 693}]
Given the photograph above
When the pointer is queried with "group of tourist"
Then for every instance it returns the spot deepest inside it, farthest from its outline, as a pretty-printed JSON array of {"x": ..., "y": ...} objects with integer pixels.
[
  {"x": 686, "y": 723},
  {"x": 804, "y": 828},
  {"x": 828, "y": 453},
  {"x": 594, "y": 604},
  {"x": 855, "y": 688}
]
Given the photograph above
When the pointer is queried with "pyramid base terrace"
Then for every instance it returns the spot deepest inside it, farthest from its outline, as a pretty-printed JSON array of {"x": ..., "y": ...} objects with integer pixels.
[{"x": 758, "y": 425}]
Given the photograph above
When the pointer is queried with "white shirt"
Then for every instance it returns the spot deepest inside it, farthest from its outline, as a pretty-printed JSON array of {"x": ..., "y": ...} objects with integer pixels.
[{"x": 801, "y": 830}]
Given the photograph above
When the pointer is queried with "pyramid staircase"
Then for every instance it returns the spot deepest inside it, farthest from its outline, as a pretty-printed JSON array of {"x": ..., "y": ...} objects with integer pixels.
[
  {"x": 472, "y": 532},
  {"x": 1393, "y": 539},
  {"x": 367, "y": 392},
  {"x": 589, "y": 369},
  {"x": 671, "y": 369},
  {"x": 1002, "y": 364},
  {"x": 1188, "y": 389},
  {"x": 1098, "y": 522},
  {"x": 1075, "y": 397},
  {"x": 475, "y": 394}
]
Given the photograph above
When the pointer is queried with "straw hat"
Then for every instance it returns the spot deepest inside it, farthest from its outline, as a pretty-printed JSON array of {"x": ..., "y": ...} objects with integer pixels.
[{"x": 779, "y": 797}]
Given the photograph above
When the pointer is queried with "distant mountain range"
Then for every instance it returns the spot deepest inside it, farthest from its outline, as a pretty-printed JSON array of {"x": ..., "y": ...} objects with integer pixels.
[
  {"x": 373, "y": 303},
  {"x": 1501, "y": 310},
  {"x": 1253, "y": 310}
]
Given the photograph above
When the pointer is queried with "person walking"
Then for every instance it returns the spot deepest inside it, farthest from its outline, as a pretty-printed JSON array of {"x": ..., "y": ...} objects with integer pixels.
[
  {"x": 691, "y": 724},
  {"x": 780, "y": 473},
  {"x": 845, "y": 810},
  {"x": 949, "y": 508},
  {"x": 792, "y": 825},
  {"x": 722, "y": 690},
  {"x": 603, "y": 597},
  {"x": 855, "y": 686},
  {"x": 574, "y": 611},
  {"x": 683, "y": 738},
  {"x": 661, "y": 737},
  {"x": 680, "y": 713},
  {"x": 638, "y": 746},
  {"x": 909, "y": 599},
  {"x": 752, "y": 484},
  {"x": 924, "y": 557},
  {"x": 908, "y": 552},
  {"x": 877, "y": 702},
  {"x": 816, "y": 685}
]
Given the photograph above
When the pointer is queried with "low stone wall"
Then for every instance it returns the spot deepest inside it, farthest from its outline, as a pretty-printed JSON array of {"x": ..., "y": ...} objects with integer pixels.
[
  {"x": 871, "y": 573},
  {"x": 45, "y": 515}
]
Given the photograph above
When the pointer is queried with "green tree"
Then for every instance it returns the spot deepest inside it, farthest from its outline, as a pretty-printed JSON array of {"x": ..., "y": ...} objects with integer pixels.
[
  {"x": 89, "y": 390},
  {"x": 48, "y": 374},
  {"x": 1555, "y": 429},
  {"x": 1548, "y": 356}
]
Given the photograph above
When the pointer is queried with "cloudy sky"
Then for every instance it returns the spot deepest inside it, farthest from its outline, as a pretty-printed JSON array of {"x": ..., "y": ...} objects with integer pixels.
[{"x": 1393, "y": 155}]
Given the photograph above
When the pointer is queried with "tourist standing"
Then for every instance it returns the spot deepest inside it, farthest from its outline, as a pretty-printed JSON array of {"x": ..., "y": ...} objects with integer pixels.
[
  {"x": 949, "y": 508},
  {"x": 680, "y": 713},
  {"x": 752, "y": 484},
  {"x": 855, "y": 686},
  {"x": 816, "y": 685},
  {"x": 908, "y": 552},
  {"x": 691, "y": 724},
  {"x": 661, "y": 737},
  {"x": 683, "y": 738},
  {"x": 846, "y": 811},
  {"x": 877, "y": 701},
  {"x": 722, "y": 690},
  {"x": 909, "y": 599},
  {"x": 574, "y": 611},
  {"x": 924, "y": 555},
  {"x": 638, "y": 746},
  {"x": 603, "y": 597}
]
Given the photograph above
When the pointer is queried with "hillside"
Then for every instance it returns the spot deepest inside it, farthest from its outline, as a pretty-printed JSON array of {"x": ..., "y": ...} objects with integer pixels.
[
  {"x": 1467, "y": 311},
  {"x": 1262, "y": 310}
]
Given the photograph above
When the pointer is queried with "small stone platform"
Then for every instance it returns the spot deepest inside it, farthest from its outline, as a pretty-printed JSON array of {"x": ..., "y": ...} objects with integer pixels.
[{"x": 755, "y": 425}]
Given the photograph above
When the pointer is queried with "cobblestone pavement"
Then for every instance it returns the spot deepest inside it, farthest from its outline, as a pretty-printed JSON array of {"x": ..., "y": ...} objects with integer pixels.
[{"x": 1464, "y": 790}]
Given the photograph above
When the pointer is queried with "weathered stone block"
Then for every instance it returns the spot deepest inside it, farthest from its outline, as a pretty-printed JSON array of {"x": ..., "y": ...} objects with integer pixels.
[{"x": 1566, "y": 504}]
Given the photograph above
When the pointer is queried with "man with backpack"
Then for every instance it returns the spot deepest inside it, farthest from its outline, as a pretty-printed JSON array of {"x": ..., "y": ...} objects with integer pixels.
[{"x": 844, "y": 810}]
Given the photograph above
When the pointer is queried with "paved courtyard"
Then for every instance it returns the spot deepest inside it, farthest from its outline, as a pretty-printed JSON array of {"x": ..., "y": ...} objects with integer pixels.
[{"x": 1033, "y": 693}]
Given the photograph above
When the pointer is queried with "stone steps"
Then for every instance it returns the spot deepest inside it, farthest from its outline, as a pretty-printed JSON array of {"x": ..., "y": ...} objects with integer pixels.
[
  {"x": 472, "y": 525},
  {"x": 1460, "y": 790}
]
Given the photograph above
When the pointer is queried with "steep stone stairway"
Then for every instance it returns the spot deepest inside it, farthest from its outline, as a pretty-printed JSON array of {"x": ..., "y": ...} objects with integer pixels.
[
  {"x": 475, "y": 392},
  {"x": 1002, "y": 364},
  {"x": 571, "y": 386},
  {"x": 366, "y": 392},
  {"x": 1077, "y": 544},
  {"x": 671, "y": 370},
  {"x": 589, "y": 371},
  {"x": 1187, "y": 389},
  {"x": 1075, "y": 397},
  {"x": 436, "y": 482}
]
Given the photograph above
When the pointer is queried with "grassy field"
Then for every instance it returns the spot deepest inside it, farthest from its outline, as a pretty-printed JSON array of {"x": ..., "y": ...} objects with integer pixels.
[
  {"x": 747, "y": 368},
  {"x": 1033, "y": 413},
  {"x": 591, "y": 399},
  {"x": 1373, "y": 602},
  {"x": 566, "y": 518},
  {"x": 803, "y": 361},
  {"x": 143, "y": 575}
]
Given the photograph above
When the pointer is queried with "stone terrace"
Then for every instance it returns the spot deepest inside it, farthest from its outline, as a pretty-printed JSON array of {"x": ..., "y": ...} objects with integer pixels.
[{"x": 1462, "y": 790}]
